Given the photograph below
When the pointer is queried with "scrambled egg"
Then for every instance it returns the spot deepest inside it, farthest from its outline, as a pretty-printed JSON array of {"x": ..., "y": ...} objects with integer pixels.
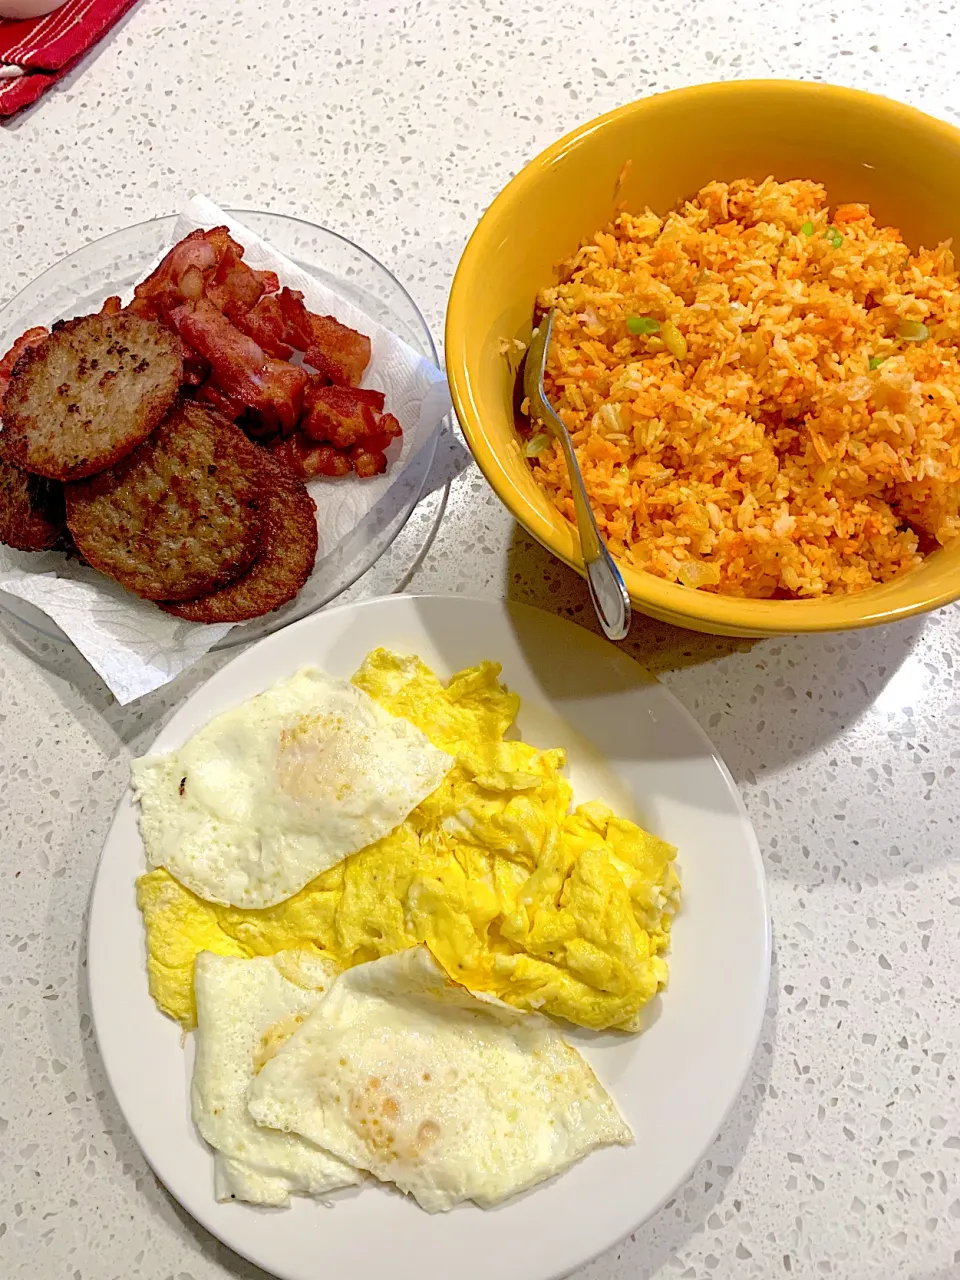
[{"x": 568, "y": 913}]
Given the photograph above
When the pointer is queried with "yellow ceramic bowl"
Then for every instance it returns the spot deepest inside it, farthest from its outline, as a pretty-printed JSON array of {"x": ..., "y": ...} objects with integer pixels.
[{"x": 865, "y": 148}]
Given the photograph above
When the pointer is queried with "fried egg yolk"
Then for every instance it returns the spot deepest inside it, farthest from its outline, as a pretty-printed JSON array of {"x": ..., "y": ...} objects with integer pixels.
[{"x": 567, "y": 913}]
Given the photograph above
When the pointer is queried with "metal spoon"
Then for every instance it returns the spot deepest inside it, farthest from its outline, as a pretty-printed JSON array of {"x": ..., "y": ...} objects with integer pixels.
[{"x": 607, "y": 591}]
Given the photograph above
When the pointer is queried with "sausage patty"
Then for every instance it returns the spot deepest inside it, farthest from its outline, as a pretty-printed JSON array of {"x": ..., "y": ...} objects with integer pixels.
[
  {"x": 284, "y": 564},
  {"x": 89, "y": 394},
  {"x": 31, "y": 510},
  {"x": 178, "y": 517}
]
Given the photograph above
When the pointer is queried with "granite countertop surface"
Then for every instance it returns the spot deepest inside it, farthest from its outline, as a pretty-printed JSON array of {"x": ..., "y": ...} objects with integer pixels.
[{"x": 396, "y": 123}]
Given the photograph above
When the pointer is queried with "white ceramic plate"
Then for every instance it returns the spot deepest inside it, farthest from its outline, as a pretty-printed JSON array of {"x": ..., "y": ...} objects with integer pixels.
[{"x": 629, "y": 741}]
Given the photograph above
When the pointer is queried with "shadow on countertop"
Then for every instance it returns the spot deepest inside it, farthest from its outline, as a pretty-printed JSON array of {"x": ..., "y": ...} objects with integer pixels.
[
  {"x": 765, "y": 703},
  {"x": 536, "y": 577}
]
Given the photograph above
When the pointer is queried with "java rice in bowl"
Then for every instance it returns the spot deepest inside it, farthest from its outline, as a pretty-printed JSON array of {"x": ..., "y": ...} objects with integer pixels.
[{"x": 763, "y": 392}]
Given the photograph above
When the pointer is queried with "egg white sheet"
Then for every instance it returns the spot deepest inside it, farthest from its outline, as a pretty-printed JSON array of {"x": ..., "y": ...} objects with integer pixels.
[
  {"x": 245, "y": 1011},
  {"x": 275, "y": 791},
  {"x": 449, "y": 1095}
]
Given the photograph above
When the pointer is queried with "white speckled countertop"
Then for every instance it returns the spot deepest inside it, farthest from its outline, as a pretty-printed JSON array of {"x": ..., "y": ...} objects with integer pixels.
[{"x": 395, "y": 122}]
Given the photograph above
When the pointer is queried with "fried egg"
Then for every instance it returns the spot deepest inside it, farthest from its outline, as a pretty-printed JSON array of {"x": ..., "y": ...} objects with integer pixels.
[
  {"x": 273, "y": 792},
  {"x": 566, "y": 912},
  {"x": 246, "y": 1010},
  {"x": 407, "y": 1075}
]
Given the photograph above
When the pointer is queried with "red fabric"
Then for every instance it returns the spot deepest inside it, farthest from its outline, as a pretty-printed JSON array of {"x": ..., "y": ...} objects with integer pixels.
[{"x": 47, "y": 48}]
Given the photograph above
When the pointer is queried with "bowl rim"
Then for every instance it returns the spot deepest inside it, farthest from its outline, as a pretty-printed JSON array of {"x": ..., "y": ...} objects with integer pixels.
[{"x": 702, "y": 610}]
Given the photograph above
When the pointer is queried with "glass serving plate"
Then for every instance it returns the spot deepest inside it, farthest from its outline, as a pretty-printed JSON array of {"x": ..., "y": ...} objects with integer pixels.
[{"x": 78, "y": 284}]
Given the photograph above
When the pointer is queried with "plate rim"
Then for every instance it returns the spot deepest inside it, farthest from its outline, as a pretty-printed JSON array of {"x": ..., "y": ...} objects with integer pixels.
[{"x": 747, "y": 1052}]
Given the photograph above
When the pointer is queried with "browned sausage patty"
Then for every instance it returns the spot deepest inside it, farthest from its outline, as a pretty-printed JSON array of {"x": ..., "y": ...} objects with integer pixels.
[
  {"x": 89, "y": 394},
  {"x": 31, "y": 510},
  {"x": 180, "y": 515},
  {"x": 284, "y": 564}
]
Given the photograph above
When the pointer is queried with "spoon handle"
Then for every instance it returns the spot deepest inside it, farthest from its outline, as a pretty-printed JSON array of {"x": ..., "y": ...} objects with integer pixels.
[{"x": 607, "y": 590}]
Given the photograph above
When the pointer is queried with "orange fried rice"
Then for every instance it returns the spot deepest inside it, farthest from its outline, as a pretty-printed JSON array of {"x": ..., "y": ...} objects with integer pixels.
[{"x": 764, "y": 396}]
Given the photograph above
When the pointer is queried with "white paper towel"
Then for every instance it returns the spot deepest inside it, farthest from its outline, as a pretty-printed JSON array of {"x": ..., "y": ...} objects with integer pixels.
[{"x": 132, "y": 644}]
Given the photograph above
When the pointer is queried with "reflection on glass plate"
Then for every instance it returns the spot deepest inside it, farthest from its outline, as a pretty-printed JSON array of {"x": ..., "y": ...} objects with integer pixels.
[{"x": 80, "y": 283}]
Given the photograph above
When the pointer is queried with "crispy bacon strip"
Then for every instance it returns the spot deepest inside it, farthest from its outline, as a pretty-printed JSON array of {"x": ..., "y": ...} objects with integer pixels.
[
  {"x": 368, "y": 456},
  {"x": 183, "y": 273},
  {"x": 236, "y": 288},
  {"x": 339, "y": 353},
  {"x": 32, "y": 338},
  {"x": 340, "y": 415},
  {"x": 265, "y": 323},
  {"x": 211, "y": 394},
  {"x": 367, "y": 462},
  {"x": 196, "y": 370},
  {"x": 239, "y": 366},
  {"x": 297, "y": 329},
  {"x": 388, "y": 430},
  {"x": 288, "y": 452},
  {"x": 235, "y": 359},
  {"x": 282, "y": 395},
  {"x": 308, "y": 460},
  {"x": 342, "y": 429}
]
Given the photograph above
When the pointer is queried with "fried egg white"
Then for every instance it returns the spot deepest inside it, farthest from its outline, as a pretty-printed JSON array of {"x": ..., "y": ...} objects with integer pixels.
[
  {"x": 246, "y": 1010},
  {"x": 273, "y": 792},
  {"x": 409, "y": 1076}
]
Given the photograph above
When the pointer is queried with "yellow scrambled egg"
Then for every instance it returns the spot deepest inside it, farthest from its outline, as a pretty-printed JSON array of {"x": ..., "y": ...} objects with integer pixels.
[{"x": 564, "y": 912}]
